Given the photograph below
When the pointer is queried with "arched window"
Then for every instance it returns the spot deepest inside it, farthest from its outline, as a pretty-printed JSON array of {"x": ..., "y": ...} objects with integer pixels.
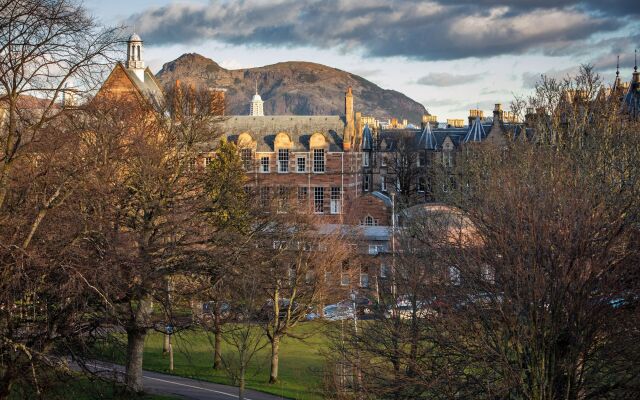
[
  {"x": 369, "y": 221},
  {"x": 138, "y": 48}
]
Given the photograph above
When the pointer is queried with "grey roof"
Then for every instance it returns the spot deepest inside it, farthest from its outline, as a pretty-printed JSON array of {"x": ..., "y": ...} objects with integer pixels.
[
  {"x": 427, "y": 139},
  {"x": 384, "y": 198},
  {"x": 381, "y": 232},
  {"x": 149, "y": 87},
  {"x": 367, "y": 138},
  {"x": 631, "y": 100},
  {"x": 299, "y": 128},
  {"x": 476, "y": 132}
]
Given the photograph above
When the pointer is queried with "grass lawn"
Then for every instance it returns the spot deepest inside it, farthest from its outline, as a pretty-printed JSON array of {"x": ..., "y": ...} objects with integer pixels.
[{"x": 301, "y": 362}]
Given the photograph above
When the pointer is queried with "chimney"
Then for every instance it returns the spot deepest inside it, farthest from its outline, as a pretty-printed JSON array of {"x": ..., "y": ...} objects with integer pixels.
[
  {"x": 349, "y": 129},
  {"x": 529, "y": 116},
  {"x": 498, "y": 113},
  {"x": 475, "y": 113}
]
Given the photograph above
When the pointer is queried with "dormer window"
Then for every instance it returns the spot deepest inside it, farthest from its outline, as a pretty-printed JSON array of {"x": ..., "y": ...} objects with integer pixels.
[{"x": 366, "y": 158}]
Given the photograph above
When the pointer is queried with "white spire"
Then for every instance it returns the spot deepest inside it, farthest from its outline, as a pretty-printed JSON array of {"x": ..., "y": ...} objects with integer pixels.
[
  {"x": 134, "y": 56},
  {"x": 257, "y": 105}
]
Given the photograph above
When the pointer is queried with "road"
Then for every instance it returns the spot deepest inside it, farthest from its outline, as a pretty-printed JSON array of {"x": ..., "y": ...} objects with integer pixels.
[{"x": 158, "y": 383}]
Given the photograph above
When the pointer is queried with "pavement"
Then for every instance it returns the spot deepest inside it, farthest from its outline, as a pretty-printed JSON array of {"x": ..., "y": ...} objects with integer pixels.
[{"x": 186, "y": 388}]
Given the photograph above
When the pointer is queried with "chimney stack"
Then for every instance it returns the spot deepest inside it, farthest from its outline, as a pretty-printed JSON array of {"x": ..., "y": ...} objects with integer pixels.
[
  {"x": 475, "y": 113},
  {"x": 349, "y": 129},
  {"x": 498, "y": 113}
]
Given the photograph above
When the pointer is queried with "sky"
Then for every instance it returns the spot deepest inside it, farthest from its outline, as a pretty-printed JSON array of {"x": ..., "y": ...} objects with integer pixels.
[{"x": 450, "y": 56}]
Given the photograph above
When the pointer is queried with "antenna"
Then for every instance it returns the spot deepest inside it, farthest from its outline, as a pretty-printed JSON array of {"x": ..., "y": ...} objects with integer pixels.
[
  {"x": 618, "y": 66},
  {"x": 256, "y": 85}
]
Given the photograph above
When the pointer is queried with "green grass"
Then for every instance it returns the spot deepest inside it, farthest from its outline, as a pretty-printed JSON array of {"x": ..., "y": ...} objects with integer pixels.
[{"x": 301, "y": 362}]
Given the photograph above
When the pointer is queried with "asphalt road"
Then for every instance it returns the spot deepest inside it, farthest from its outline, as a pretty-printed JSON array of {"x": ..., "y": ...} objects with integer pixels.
[{"x": 157, "y": 383}]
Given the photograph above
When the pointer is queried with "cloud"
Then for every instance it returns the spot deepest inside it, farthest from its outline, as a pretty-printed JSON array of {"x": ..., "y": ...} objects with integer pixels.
[
  {"x": 530, "y": 79},
  {"x": 416, "y": 29},
  {"x": 444, "y": 79}
]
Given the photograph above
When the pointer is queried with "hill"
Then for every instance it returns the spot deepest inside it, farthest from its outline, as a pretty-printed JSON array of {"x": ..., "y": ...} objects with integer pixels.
[{"x": 292, "y": 88}]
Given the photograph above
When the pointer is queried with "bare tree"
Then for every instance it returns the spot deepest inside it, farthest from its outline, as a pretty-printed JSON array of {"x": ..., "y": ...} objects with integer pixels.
[
  {"x": 296, "y": 258},
  {"x": 150, "y": 217},
  {"x": 530, "y": 289}
]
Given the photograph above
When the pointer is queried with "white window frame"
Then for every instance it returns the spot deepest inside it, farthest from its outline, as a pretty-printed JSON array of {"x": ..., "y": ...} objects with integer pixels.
[
  {"x": 366, "y": 158},
  {"x": 345, "y": 279},
  {"x": 366, "y": 183},
  {"x": 335, "y": 200},
  {"x": 318, "y": 199},
  {"x": 364, "y": 280},
  {"x": 384, "y": 270},
  {"x": 383, "y": 184},
  {"x": 304, "y": 164},
  {"x": 319, "y": 163},
  {"x": 263, "y": 165},
  {"x": 283, "y": 161},
  {"x": 375, "y": 249},
  {"x": 246, "y": 155},
  {"x": 207, "y": 160}
]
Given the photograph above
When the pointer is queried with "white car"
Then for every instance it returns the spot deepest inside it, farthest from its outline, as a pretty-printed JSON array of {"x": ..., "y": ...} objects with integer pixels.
[{"x": 339, "y": 311}]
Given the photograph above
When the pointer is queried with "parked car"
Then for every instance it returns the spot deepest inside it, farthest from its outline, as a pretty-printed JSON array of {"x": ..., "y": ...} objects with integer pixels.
[{"x": 339, "y": 311}]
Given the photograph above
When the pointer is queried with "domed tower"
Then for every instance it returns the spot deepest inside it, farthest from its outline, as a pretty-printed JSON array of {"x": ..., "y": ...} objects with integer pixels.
[
  {"x": 257, "y": 105},
  {"x": 134, "y": 56}
]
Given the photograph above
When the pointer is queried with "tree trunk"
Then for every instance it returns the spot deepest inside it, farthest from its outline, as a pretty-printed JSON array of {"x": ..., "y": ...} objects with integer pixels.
[
  {"x": 241, "y": 384},
  {"x": 275, "y": 348},
  {"x": 135, "y": 348},
  {"x": 217, "y": 358},
  {"x": 165, "y": 345}
]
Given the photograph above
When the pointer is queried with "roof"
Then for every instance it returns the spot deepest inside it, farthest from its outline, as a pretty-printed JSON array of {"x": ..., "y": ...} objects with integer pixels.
[
  {"x": 631, "y": 100},
  {"x": 135, "y": 38},
  {"x": 476, "y": 132},
  {"x": 427, "y": 140},
  {"x": 299, "y": 128},
  {"x": 367, "y": 138},
  {"x": 149, "y": 88}
]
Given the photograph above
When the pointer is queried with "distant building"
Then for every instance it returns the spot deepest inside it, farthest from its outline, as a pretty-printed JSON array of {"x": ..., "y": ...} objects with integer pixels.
[{"x": 257, "y": 105}]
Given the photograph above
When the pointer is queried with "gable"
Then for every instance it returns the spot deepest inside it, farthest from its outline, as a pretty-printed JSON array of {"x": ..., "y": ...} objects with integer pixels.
[{"x": 119, "y": 84}]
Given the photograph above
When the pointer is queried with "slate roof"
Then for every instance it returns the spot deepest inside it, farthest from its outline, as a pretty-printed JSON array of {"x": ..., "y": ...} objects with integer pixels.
[
  {"x": 631, "y": 100},
  {"x": 433, "y": 138},
  {"x": 149, "y": 88},
  {"x": 299, "y": 128}
]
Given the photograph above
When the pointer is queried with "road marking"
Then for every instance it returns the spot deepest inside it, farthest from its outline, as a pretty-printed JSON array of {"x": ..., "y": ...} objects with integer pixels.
[{"x": 193, "y": 387}]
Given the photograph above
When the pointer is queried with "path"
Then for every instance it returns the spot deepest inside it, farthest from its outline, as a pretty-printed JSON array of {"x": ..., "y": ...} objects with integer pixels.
[{"x": 158, "y": 383}]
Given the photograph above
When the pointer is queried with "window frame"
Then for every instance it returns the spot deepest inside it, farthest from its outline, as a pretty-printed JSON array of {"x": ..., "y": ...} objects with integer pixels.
[
  {"x": 304, "y": 164},
  {"x": 284, "y": 155},
  {"x": 318, "y": 199},
  {"x": 263, "y": 165},
  {"x": 319, "y": 163},
  {"x": 335, "y": 200}
]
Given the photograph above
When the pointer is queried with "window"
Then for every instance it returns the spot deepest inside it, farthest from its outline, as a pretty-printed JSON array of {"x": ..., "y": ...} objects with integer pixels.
[
  {"x": 318, "y": 160},
  {"x": 247, "y": 159},
  {"x": 421, "y": 184},
  {"x": 383, "y": 161},
  {"x": 344, "y": 279},
  {"x": 280, "y": 245},
  {"x": 366, "y": 180},
  {"x": 384, "y": 270},
  {"x": 422, "y": 159},
  {"x": 328, "y": 277},
  {"x": 369, "y": 221},
  {"x": 335, "y": 200},
  {"x": 303, "y": 194},
  {"x": 283, "y": 199},
  {"x": 383, "y": 184},
  {"x": 488, "y": 274},
  {"x": 264, "y": 197},
  {"x": 264, "y": 164},
  {"x": 283, "y": 160},
  {"x": 318, "y": 200},
  {"x": 190, "y": 167},
  {"x": 301, "y": 164},
  {"x": 366, "y": 158},
  {"x": 374, "y": 249},
  {"x": 364, "y": 280},
  {"x": 447, "y": 158},
  {"x": 454, "y": 275},
  {"x": 207, "y": 161}
]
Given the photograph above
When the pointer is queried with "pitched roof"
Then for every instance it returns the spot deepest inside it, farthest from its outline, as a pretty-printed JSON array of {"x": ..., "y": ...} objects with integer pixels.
[{"x": 476, "y": 132}]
